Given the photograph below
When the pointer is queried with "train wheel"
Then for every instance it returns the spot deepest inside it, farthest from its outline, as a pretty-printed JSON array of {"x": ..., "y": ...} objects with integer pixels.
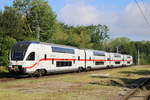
[
  {"x": 108, "y": 66},
  {"x": 80, "y": 69},
  {"x": 38, "y": 73},
  {"x": 111, "y": 66},
  {"x": 43, "y": 72}
]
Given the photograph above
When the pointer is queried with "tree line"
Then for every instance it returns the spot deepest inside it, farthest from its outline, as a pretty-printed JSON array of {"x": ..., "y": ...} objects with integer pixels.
[{"x": 34, "y": 20}]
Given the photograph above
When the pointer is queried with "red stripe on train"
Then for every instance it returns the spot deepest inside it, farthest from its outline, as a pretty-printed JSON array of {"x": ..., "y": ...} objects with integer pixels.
[{"x": 58, "y": 59}]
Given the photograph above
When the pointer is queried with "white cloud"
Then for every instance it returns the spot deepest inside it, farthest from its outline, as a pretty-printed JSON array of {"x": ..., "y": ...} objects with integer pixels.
[
  {"x": 128, "y": 22},
  {"x": 78, "y": 14},
  {"x": 132, "y": 21}
]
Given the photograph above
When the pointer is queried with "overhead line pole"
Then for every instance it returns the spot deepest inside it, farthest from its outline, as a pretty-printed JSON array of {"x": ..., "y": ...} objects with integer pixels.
[{"x": 138, "y": 57}]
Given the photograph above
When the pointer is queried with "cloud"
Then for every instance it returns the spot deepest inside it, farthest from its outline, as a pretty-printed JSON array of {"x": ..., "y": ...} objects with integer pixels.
[
  {"x": 132, "y": 21},
  {"x": 84, "y": 14},
  {"x": 78, "y": 14},
  {"x": 128, "y": 22}
]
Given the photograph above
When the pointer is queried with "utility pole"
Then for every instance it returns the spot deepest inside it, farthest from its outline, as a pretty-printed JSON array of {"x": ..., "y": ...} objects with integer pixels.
[
  {"x": 138, "y": 57},
  {"x": 38, "y": 29},
  {"x": 38, "y": 32},
  {"x": 117, "y": 49}
]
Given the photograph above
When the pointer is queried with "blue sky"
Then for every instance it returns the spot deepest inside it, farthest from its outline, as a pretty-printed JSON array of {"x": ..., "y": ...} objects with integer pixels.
[
  {"x": 122, "y": 16},
  {"x": 104, "y": 4}
]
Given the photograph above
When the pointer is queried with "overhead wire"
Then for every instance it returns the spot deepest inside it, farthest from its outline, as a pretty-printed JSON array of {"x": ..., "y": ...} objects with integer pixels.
[
  {"x": 142, "y": 12},
  {"x": 145, "y": 7}
]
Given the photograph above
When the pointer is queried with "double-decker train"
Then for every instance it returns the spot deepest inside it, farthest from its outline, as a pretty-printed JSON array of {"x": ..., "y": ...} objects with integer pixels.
[{"x": 38, "y": 58}]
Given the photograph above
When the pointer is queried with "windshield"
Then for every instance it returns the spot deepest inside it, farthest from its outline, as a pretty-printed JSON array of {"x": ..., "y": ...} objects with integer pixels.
[{"x": 18, "y": 51}]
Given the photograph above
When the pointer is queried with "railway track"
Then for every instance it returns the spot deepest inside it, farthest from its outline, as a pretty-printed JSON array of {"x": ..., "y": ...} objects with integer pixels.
[
  {"x": 139, "y": 90},
  {"x": 9, "y": 77}
]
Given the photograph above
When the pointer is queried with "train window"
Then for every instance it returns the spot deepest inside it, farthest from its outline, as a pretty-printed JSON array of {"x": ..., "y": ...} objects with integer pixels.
[
  {"x": 78, "y": 57},
  {"x": 117, "y": 55},
  {"x": 63, "y": 63},
  {"x": 95, "y": 53},
  {"x": 45, "y": 56},
  {"x": 18, "y": 51},
  {"x": 117, "y": 62},
  {"x": 128, "y": 57},
  {"x": 31, "y": 56},
  {"x": 108, "y": 59},
  {"x": 89, "y": 58},
  {"x": 128, "y": 62},
  {"x": 99, "y": 63},
  {"x": 63, "y": 50}
]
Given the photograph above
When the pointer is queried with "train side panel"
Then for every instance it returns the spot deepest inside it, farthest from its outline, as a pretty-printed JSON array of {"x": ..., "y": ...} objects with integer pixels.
[
  {"x": 96, "y": 59},
  {"x": 57, "y": 61}
]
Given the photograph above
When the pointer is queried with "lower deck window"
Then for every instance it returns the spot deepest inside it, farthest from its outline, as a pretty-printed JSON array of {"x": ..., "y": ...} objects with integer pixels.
[
  {"x": 128, "y": 62},
  {"x": 117, "y": 62},
  {"x": 99, "y": 63},
  {"x": 63, "y": 63}
]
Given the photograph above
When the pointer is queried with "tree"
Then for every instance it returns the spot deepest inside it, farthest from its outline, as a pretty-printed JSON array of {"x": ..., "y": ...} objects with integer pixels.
[
  {"x": 144, "y": 49},
  {"x": 12, "y": 24},
  {"x": 98, "y": 34},
  {"x": 5, "y": 46},
  {"x": 39, "y": 18}
]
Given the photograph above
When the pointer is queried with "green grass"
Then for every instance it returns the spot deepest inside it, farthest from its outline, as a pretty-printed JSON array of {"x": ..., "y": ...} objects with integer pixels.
[{"x": 75, "y": 86}]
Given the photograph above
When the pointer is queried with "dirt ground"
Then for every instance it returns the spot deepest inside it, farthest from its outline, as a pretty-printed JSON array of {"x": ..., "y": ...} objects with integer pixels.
[{"x": 108, "y": 84}]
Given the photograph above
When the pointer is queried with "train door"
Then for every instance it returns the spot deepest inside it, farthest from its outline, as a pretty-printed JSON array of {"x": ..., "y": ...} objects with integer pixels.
[
  {"x": 124, "y": 60},
  {"x": 43, "y": 57},
  {"x": 31, "y": 59},
  {"x": 111, "y": 55},
  {"x": 79, "y": 63},
  {"x": 90, "y": 63},
  {"x": 108, "y": 60}
]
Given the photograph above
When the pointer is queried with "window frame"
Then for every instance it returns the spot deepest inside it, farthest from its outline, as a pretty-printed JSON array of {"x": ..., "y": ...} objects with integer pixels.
[
  {"x": 96, "y": 53},
  {"x": 63, "y": 50},
  {"x": 99, "y": 63},
  {"x": 27, "y": 59},
  {"x": 64, "y": 63}
]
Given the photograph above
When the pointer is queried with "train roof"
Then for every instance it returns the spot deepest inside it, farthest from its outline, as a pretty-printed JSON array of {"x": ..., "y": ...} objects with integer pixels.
[
  {"x": 96, "y": 50},
  {"x": 44, "y": 43}
]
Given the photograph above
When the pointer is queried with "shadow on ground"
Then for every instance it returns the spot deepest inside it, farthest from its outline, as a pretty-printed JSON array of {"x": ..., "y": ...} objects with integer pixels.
[
  {"x": 6, "y": 76},
  {"x": 121, "y": 82},
  {"x": 139, "y": 72},
  {"x": 114, "y": 81}
]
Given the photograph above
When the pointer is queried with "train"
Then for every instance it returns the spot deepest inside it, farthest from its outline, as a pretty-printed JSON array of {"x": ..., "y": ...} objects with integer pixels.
[{"x": 39, "y": 58}]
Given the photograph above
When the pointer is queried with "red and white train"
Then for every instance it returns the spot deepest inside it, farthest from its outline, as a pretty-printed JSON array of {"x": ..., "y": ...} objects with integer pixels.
[{"x": 38, "y": 58}]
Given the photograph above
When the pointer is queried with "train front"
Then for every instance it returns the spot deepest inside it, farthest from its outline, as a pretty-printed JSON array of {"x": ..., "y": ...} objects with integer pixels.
[{"x": 17, "y": 60}]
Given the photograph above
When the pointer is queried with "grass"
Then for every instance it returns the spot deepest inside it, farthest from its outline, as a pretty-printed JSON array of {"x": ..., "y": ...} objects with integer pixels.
[
  {"x": 72, "y": 86},
  {"x": 3, "y": 69}
]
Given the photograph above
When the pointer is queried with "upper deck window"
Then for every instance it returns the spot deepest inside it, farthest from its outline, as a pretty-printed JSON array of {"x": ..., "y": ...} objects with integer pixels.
[
  {"x": 63, "y": 50},
  {"x": 128, "y": 57},
  {"x": 117, "y": 56},
  {"x": 95, "y": 53}
]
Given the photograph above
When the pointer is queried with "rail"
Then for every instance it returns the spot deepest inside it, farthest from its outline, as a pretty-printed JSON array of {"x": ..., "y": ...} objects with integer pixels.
[{"x": 136, "y": 86}]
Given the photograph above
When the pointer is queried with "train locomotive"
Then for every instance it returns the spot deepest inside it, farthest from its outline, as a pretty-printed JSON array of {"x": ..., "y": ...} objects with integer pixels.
[{"x": 38, "y": 58}]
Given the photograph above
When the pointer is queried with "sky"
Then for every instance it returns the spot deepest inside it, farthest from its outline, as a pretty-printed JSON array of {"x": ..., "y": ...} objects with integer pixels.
[{"x": 123, "y": 17}]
